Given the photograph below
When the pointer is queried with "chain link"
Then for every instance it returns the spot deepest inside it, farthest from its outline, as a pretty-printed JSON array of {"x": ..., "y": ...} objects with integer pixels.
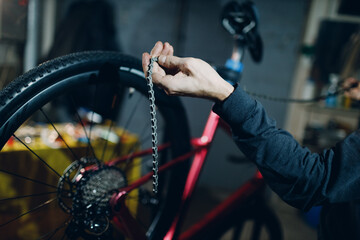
[{"x": 154, "y": 140}]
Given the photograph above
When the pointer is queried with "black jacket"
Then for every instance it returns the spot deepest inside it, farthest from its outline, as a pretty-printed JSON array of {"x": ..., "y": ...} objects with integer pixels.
[{"x": 301, "y": 178}]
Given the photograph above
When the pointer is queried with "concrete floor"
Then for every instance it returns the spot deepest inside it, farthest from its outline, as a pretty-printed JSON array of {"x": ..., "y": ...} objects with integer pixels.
[{"x": 293, "y": 225}]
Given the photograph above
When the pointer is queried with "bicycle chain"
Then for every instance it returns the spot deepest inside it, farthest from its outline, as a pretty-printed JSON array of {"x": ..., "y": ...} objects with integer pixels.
[
  {"x": 311, "y": 100},
  {"x": 154, "y": 140}
]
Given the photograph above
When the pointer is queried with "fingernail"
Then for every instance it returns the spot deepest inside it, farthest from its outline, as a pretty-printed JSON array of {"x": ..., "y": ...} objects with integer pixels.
[{"x": 162, "y": 59}]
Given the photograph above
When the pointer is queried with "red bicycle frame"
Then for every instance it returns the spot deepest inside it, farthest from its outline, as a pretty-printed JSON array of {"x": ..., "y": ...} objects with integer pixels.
[{"x": 130, "y": 227}]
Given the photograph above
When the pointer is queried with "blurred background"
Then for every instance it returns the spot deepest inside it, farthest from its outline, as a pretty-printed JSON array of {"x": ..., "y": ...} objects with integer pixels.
[{"x": 309, "y": 46}]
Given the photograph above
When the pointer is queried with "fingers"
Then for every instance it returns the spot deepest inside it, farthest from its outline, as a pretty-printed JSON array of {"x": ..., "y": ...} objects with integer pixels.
[
  {"x": 157, "y": 49},
  {"x": 171, "y": 62},
  {"x": 171, "y": 51},
  {"x": 145, "y": 62},
  {"x": 167, "y": 49},
  {"x": 162, "y": 49}
]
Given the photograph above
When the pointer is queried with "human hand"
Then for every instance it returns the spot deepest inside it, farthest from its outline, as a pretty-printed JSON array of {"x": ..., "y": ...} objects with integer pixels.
[
  {"x": 185, "y": 76},
  {"x": 159, "y": 49},
  {"x": 354, "y": 88}
]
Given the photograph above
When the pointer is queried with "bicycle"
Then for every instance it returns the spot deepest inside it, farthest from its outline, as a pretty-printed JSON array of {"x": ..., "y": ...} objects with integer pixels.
[{"x": 89, "y": 171}]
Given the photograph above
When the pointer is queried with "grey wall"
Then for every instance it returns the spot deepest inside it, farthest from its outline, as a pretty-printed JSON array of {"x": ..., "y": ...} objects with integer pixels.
[{"x": 143, "y": 22}]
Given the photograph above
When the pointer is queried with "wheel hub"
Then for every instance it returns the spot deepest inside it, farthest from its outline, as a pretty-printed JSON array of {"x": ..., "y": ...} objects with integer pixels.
[{"x": 86, "y": 195}]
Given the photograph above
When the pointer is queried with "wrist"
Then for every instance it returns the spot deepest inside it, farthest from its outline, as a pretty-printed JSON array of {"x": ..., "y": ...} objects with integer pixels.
[{"x": 225, "y": 91}]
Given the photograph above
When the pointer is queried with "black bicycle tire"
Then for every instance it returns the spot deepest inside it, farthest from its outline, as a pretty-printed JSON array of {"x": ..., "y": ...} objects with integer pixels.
[
  {"x": 24, "y": 95},
  {"x": 262, "y": 215},
  {"x": 257, "y": 212}
]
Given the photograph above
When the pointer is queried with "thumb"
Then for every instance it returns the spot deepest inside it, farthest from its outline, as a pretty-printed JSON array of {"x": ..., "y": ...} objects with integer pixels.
[{"x": 170, "y": 62}]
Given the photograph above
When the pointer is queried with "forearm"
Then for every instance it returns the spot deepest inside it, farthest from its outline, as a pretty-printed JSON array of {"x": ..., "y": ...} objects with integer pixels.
[{"x": 300, "y": 177}]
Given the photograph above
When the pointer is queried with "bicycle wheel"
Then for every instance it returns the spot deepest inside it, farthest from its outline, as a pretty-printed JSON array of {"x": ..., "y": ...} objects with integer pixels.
[
  {"x": 258, "y": 222},
  {"x": 61, "y": 125}
]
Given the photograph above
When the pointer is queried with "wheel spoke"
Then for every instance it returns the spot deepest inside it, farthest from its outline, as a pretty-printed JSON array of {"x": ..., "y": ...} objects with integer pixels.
[
  {"x": 63, "y": 237},
  {"x": 94, "y": 102},
  {"x": 131, "y": 115},
  {"x": 83, "y": 126},
  {"x": 144, "y": 161},
  {"x": 106, "y": 140},
  {"x": 28, "y": 212},
  {"x": 52, "y": 124},
  {"x": 90, "y": 130},
  {"x": 26, "y": 196},
  {"x": 114, "y": 104},
  {"x": 52, "y": 233},
  {"x": 42, "y": 160},
  {"x": 29, "y": 179},
  {"x": 132, "y": 112},
  {"x": 133, "y": 149}
]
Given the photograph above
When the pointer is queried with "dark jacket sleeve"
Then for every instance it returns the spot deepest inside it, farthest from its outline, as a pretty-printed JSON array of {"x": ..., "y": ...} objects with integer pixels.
[{"x": 299, "y": 177}]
